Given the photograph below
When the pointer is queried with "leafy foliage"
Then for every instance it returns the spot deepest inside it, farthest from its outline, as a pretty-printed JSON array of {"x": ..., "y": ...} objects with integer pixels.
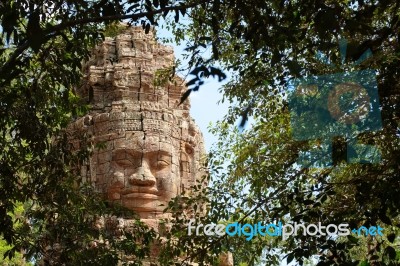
[
  {"x": 266, "y": 44},
  {"x": 4, "y": 247},
  {"x": 42, "y": 46}
]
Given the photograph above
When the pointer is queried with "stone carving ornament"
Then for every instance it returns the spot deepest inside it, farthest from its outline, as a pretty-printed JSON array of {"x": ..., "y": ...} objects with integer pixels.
[{"x": 149, "y": 149}]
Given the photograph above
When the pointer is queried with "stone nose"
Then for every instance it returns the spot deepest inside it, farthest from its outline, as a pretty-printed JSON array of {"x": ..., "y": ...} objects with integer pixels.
[{"x": 142, "y": 177}]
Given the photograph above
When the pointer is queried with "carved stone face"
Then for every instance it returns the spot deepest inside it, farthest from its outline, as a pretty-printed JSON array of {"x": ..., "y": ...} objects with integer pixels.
[
  {"x": 143, "y": 170},
  {"x": 143, "y": 174}
]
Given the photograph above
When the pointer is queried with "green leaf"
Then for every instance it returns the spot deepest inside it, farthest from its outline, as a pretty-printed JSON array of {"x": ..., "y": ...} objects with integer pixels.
[
  {"x": 390, "y": 252},
  {"x": 34, "y": 31},
  {"x": 391, "y": 237},
  {"x": 185, "y": 96},
  {"x": 364, "y": 263},
  {"x": 290, "y": 258}
]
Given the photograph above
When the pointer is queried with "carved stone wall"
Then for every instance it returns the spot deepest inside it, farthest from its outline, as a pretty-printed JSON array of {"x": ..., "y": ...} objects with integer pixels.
[{"x": 148, "y": 149}]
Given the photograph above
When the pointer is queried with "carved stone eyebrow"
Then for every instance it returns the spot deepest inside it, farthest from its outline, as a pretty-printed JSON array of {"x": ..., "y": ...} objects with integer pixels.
[{"x": 121, "y": 154}]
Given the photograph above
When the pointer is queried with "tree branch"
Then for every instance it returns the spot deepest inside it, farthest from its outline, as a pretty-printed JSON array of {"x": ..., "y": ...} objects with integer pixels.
[
  {"x": 73, "y": 23},
  {"x": 53, "y": 30}
]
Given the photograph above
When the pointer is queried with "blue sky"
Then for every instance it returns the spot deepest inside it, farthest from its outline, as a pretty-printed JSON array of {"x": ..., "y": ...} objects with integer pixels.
[{"x": 204, "y": 107}]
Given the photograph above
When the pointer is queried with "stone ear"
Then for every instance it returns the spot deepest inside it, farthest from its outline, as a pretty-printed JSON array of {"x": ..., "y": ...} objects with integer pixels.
[
  {"x": 186, "y": 157},
  {"x": 184, "y": 162},
  {"x": 189, "y": 149}
]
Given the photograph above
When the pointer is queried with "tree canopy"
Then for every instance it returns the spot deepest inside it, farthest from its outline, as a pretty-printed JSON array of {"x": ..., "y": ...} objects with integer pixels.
[
  {"x": 42, "y": 46},
  {"x": 266, "y": 45}
]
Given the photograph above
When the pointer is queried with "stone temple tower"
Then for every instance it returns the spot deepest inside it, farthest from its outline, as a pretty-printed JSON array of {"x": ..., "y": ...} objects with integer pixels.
[{"x": 151, "y": 149}]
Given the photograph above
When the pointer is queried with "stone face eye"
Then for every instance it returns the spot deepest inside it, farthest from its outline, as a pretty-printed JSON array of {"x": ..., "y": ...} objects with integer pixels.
[
  {"x": 131, "y": 159},
  {"x": 163, "y": 160},
  {"x": 161, "y": 164}
]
